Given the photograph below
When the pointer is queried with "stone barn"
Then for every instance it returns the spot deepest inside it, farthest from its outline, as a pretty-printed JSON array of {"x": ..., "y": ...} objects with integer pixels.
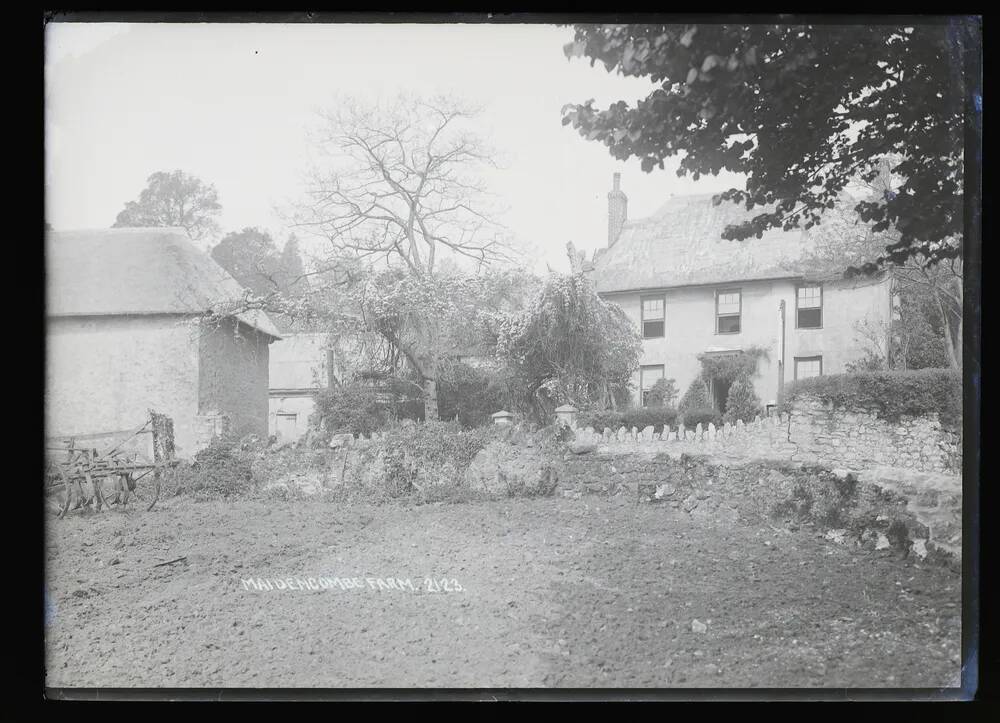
[{"x": 128, "y": 329}]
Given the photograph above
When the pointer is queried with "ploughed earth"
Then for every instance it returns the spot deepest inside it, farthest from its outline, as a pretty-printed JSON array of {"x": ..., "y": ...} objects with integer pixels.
[{"x": 526, "y": 593}]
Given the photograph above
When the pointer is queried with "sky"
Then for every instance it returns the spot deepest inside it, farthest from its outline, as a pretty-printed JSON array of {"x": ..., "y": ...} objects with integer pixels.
[{"x": 232, "y": 104}]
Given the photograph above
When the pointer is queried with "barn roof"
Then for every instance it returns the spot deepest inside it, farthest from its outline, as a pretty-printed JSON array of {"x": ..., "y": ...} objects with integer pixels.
[
  {"x": 133, "y": 271},
  {"x": 682, "y": 245}
]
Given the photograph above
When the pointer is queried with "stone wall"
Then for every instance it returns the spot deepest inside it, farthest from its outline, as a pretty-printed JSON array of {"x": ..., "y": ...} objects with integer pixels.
[
  {"x": 918, "y": 513},
  {"x": 813, "y": 432},
  {"x": 859, "y": 439}
]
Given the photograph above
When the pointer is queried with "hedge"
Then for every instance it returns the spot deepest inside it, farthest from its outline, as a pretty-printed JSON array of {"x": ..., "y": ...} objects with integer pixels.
[
  {"x": 639, "y": 418},
  {"x": 701, "y": 415},
  {"x": 889, "y": 394}
]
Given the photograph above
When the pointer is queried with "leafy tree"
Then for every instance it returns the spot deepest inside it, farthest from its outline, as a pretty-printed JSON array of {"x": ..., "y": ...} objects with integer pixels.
[
  {"x": 568, "y": 345},
  {"x": 251, "y": 257},
  {"x": 174, "y": 199},
  {"x": 398, "y": 183},
  {"x": 801, "y": 110},
  {"x": 742, "y": 402}
]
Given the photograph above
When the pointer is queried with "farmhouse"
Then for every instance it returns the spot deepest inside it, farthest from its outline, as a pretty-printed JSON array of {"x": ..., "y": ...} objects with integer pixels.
[
  {"x": 127, "y": 331},
  {"x": 692, "y": 293}
]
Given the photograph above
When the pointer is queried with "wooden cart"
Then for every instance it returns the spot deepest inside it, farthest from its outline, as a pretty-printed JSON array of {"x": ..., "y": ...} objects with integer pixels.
[{"x": 85, "y": 467}]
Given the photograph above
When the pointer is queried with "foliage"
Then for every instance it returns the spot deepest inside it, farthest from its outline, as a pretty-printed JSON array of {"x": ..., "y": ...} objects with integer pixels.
[
  {"x": 430, "y": 319},
  {"x": 174, "y": 199},
  {"x": 889, "y": 394},
  {"x": 927, "y": 331},
  {"x": 568, "y": 345},
  {"x": 662, "y": 394},
  {"x": 731, "y": 367},
  {"x": 872, "y": 361},
  {"x": 696, "y": 396},
  {"x": 701, "y": 415},
  {"x": 470, "y": 395},
  {"x": 742, "y": 402},
  {"x": 640, "y": 418},
  {"x": 225, "y": 467},
  {"x": 252, "y": 258},
  {"x": 351, "y": 407},
  {"x": 423, "y": 456},
  {"x": 801, "y": 110}
]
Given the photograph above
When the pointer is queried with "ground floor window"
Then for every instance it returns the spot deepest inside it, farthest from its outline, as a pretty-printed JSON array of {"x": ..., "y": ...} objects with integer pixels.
[
  {"x": 648, "y": 376},
  {"x": 808, "y": 366}
]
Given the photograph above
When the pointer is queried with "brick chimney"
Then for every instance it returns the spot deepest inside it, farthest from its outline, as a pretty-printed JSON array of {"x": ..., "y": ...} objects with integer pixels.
[{"x": 617, "y": 210}]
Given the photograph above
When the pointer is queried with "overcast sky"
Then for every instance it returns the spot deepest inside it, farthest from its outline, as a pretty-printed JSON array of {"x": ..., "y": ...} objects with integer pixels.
[{"x": 231, "y": 105}]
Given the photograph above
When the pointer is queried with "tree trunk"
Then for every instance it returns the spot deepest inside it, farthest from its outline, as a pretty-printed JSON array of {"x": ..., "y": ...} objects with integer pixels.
[
  {"x": 948, "y": 338},
  {"x": 430, "y": 401}
]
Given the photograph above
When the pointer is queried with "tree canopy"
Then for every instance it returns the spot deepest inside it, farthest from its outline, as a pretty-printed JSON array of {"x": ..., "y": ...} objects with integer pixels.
[
  {"x": 252, "y": 258},
  {"x": 174, "y": 198},
  {"x": 801, "y": 110}
]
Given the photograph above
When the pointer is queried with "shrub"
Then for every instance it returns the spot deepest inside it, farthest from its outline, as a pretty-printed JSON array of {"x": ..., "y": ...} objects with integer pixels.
[
  {"x": 471, "y": 394},
  {"x": 701, "y": 415},
  {"x": 421, "y": 456},
  {"x": 224, "y": 467},
  {"x": 662, "y": 394},
  {"x": 742, "y": 402},
  {"x": 351, "y": 408},
  {"x": 889, "y": 394},
  {"x": 639, "y": 418},
  {"x": 696, "y": 397}
]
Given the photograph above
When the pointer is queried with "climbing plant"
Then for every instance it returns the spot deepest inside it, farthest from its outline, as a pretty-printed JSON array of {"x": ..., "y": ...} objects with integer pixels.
[{"x": 730, "y": 367}]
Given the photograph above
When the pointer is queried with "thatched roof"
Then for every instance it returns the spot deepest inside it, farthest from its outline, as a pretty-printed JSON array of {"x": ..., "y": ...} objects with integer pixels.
[
  {"x": 135, "y": 271},
  {"x": 682, "y": 245}
]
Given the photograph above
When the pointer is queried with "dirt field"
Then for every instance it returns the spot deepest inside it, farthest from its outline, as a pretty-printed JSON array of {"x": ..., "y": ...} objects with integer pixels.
[{"x": 543, "y": 593}]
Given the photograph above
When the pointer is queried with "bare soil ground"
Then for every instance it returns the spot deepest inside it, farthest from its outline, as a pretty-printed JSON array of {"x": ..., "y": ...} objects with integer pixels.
[{"x": 554, "y": 593}]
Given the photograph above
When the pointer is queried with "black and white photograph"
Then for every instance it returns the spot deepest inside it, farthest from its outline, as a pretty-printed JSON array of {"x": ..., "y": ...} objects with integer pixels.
[{"x": 508, "y": 354}]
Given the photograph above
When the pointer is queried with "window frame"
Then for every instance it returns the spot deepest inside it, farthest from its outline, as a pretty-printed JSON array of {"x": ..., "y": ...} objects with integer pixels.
[
  {"x": 662, "y": 298},
  {"x": 797, "y": 359},
  {"x": 663, "y": 375},
  {"x": 739, "y": 315},
  {"x": 809, "y": 286}
]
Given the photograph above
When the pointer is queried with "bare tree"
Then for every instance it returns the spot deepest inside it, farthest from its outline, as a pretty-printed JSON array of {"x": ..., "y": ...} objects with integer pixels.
[{"x": 399, "y": 183}]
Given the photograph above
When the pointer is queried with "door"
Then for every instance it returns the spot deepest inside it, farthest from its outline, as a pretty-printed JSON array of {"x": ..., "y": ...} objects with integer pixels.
[{"x": 286, "y": 426}]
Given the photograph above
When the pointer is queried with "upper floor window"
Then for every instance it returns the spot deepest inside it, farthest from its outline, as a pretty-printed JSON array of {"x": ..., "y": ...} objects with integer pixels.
[
  {"x": 728, "y": 309},
  {"x": 652, "y": 317},
  {"x": 808, "y": 366},
  {"x": 648, "y": 376},
  {"x": 809, "y": 307}
]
